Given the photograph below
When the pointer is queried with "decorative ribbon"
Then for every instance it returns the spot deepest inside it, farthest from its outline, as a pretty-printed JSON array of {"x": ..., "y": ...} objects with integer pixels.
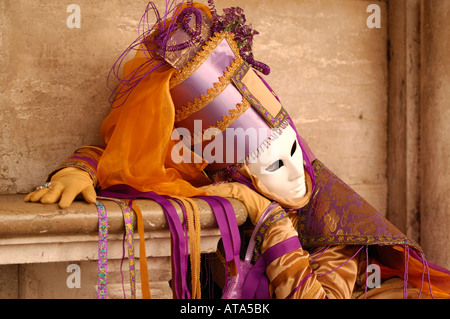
[
  {"x": 129, "y": 237},
  {"x": 145, "y": 286},
  {"x": 102, "y": 251},
  {"x": 257, "y": 284},
  {"x": 226, "y": 220},
  {"x": 179, "y": 248},
  {"x": 129, "y": 234}
]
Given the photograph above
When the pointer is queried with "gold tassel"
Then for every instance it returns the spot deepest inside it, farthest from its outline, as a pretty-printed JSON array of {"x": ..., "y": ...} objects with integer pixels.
[{"x": 193, "y": 222}]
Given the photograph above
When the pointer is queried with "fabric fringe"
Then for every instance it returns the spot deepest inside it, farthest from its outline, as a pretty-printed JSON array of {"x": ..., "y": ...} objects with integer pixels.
[
  {"x": 405, "y": 277},
  {"x": 367, "y": 266},
  {"x": 193, "y": 226},
  {"x": 319, "y": 253},
  {"x": 341, "y": 265},
  {"x": 425, "y": 264}
]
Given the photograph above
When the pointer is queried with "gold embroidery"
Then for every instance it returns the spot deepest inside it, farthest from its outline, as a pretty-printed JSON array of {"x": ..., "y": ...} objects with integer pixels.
[
  {"x": 191, "y": 107},
  {"x": 331, "y": 221},
  {"x": 203, "y": 55}
]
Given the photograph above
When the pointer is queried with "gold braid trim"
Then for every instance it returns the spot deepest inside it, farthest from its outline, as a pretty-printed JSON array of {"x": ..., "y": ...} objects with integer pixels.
[
  {"x": 203, "y": 55},
  {"x": 314, "y": 289},
  {"x": 227, "y": 120},
  {"x": 193, "y": 222},
  {"x": 199, "y": 103}
]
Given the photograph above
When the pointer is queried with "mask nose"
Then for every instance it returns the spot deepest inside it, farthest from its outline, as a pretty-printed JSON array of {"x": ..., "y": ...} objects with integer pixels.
[{"x": 295, "y": 168}]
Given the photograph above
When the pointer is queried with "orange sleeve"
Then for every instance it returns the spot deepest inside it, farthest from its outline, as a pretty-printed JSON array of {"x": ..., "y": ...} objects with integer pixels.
[{"x": 297, "y": 275}]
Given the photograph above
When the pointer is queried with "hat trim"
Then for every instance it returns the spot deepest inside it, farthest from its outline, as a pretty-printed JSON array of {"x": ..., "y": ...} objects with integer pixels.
[
  {"x": 205, "y": 99},
  {"x": 276, "y": 133},
  {"x": 226, "y": 121},
  {"x": 273, "y": 121},
  {"x": 202, "y": 56}
]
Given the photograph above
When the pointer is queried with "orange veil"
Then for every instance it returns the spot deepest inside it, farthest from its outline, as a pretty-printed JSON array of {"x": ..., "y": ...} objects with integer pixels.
[{"x": 138, "y": 141}]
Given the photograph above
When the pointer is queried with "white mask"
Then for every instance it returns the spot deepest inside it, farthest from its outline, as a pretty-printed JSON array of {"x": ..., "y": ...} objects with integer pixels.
[{"x": 280, "y": 167}]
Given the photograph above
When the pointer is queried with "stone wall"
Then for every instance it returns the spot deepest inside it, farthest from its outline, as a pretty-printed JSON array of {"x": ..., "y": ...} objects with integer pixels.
[
  {"x": 418, "y": 123},
  {"x": 435, "y": 132}
]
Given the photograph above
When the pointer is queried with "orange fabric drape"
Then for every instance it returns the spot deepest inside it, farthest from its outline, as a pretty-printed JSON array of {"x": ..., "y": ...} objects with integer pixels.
[{"x": 138, "y": 138}]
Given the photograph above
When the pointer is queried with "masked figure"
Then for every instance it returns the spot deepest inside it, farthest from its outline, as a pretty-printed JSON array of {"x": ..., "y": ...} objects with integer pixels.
[{"x": 193, "y": 117}]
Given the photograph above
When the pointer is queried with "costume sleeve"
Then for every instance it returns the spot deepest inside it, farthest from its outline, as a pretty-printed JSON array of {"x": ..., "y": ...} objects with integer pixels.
[
  {"x": 330, "y": 273},
  {"x": 85, "y": 158}
]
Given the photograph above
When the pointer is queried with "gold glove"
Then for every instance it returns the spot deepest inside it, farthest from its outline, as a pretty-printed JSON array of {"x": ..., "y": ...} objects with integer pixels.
[
  {"x": 255, "y": 203},
  {"x": 64, "y": 186}
]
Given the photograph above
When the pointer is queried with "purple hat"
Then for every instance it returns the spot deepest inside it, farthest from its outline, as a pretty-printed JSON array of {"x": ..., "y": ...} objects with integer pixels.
[
  {"x": 229, "y": 112},
  {"x": 225, "y": 106}
]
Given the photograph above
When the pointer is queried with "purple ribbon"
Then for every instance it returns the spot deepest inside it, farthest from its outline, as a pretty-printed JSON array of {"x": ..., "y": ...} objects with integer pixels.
[
  {"x": 256, "y": 284},
  {"x": 226, "y": 220},
  {"x": 176, "y": 229}
]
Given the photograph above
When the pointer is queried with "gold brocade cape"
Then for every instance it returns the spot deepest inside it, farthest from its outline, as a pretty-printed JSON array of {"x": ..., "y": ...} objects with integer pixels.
[{"x": 337, "y": 215}]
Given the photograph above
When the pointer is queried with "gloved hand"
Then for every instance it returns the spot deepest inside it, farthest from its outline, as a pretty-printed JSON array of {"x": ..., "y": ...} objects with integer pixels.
[
  {"x": 66, "y": 184},
  {"x": 255, "y": 203}
]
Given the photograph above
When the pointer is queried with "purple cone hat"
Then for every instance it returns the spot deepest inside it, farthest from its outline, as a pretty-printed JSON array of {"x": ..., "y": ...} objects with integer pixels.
[
  {"x": 224, "y": 110},
  {"x": 224, "y": 105}
]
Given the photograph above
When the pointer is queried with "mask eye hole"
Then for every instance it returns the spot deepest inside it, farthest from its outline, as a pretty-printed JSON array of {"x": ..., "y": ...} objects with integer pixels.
[
  {"x": 274, "y": 166},
  {"x": 294, "y": 148}
]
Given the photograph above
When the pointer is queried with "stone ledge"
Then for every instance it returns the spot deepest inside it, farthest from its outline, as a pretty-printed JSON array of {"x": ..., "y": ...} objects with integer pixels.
[
  {"x": 18, "y": 218},
  {"x": 38, "y": 233},
  {"x": 38, "y": 242}
]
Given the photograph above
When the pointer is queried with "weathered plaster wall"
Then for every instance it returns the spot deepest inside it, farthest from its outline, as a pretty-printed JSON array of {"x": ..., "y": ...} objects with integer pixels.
[
  {"x": 53, "y": 86},
  {"x": 328, "y": 68},
  {"x": 330, "y": 71},
  {"x": 435, "y": 132}
]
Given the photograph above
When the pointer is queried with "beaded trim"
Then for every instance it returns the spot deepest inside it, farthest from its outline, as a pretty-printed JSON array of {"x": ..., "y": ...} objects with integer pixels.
[
  {"x": 278, "y": 214},
  {"x": 203, "y": 55},
  {"x": 276, "y": 132},
  {"x": 205, "y": 99},
  {"x": 102, "y": 267},
  {"x": 80, "y": 165}
]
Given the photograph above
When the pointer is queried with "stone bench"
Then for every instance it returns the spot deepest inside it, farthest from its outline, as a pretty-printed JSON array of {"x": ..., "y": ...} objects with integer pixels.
[{"x": 40, "y": 244}]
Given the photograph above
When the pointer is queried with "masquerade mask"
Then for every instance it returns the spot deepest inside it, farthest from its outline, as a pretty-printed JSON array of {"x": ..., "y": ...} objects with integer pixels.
[{"x": 280, "y": 166}]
